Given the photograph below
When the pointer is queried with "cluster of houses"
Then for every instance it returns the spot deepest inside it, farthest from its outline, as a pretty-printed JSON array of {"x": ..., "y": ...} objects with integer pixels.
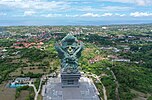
[
  {"x": 96, "y": 59},
  {"x": 110, "y": 57},
  {"x": 114, "y": 58},
  {"x": 20, "y": 45},
  {"x": 3, "y": 51},
  {"x": 21, "y": 81}
]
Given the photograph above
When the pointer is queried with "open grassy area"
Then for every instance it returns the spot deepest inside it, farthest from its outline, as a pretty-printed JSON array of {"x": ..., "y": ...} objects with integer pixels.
[
  {"x": 33, "y": 69},
  {"x": 6, "y": 93},
  {"x": 23, "y": 95}
]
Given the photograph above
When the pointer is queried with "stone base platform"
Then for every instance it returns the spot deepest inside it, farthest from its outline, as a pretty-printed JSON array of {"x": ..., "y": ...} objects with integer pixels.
[
  {"x": 70, "y": 80},
  {"x": 86, "y": 91}
]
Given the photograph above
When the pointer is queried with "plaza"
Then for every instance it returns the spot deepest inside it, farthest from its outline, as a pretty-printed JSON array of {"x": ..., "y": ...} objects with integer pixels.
[{"x": 53, "y": 90}]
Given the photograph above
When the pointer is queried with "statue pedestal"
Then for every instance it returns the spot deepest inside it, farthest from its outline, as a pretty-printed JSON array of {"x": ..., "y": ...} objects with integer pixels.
[
  {"x": 70, "y": 80},
  {"x": 53, "y": 90}
]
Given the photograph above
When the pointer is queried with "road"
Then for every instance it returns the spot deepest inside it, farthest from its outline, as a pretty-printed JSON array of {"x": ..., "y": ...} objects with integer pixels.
[
  {"x": 103, "y": 87},
  {"x": 117, "y": 85},
  {"x": 35, "y": 90}
]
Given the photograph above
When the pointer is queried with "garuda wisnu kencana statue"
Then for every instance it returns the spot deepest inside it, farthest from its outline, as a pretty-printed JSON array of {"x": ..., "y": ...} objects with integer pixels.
[{"x": 69, "y": 50}]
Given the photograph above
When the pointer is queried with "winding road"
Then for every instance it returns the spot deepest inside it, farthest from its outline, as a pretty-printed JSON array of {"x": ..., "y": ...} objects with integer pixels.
[
  {"x": 35, "y": 90},
  {"x": 117, "y": 85},
  {"x": 103, "y": 87}
]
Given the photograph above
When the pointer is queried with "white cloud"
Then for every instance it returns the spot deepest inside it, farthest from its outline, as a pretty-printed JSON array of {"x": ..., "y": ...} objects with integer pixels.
[
  {"x": 87, "y": 8},
  {"x": 51, "y": 15},
  {"x": 140, "y": 14},
  {"x": 141, "y": 2},
  {"x": 121, "y": 15},
  {"x": 90, "y": 15},
  {"x": 97, "y": 15},
  {"x": 107, "y": 14},
  {"x": 72, "y": 15},
  {"x": 102, "y": 8},
  {"x": 116, "y": 8},
  {"x": 2, "y": 14},
  {"x": 137, "y": 2},
  {"x": 122, "y": 1},
  {"x": 7, "y": 0},
  {"x": 29, "y": 13},
  {"x": 35, "y": 5},
  {"x": 19, "y": 0}
]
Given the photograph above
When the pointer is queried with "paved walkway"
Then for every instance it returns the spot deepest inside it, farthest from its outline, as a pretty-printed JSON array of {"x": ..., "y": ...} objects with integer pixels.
[
  {"x": 103, "y": 87},
  {"x": 35, "y": 90},
  {"x": 54, "y": 91}
]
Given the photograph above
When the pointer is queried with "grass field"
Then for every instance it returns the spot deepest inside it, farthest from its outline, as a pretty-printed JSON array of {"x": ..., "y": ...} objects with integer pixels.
[{"x": 33, "y": 69}]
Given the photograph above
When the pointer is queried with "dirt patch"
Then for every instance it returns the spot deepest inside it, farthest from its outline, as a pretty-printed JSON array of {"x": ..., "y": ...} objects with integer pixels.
[
  {"x": 7, "y": 93},
  {"x": 16, "y": 73},
  {"x": 140, "y": 95},
  {"x": 40, "y": 97},
  {"x": 88, "y": 50},
  {"x": 23, "y": 95},
  {"x": 33, "y": 69}
]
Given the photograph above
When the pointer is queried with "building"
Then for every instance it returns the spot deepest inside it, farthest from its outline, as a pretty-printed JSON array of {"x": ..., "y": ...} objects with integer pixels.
[{"x": 22, "y": 80}]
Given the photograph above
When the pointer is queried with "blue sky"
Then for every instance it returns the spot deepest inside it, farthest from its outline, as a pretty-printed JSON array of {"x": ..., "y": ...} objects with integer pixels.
[{"x": 74, "y": 12}]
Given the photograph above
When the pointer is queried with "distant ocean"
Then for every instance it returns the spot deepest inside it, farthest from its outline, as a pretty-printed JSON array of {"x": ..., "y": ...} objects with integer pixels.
[{"x": 70, "y": 22}]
